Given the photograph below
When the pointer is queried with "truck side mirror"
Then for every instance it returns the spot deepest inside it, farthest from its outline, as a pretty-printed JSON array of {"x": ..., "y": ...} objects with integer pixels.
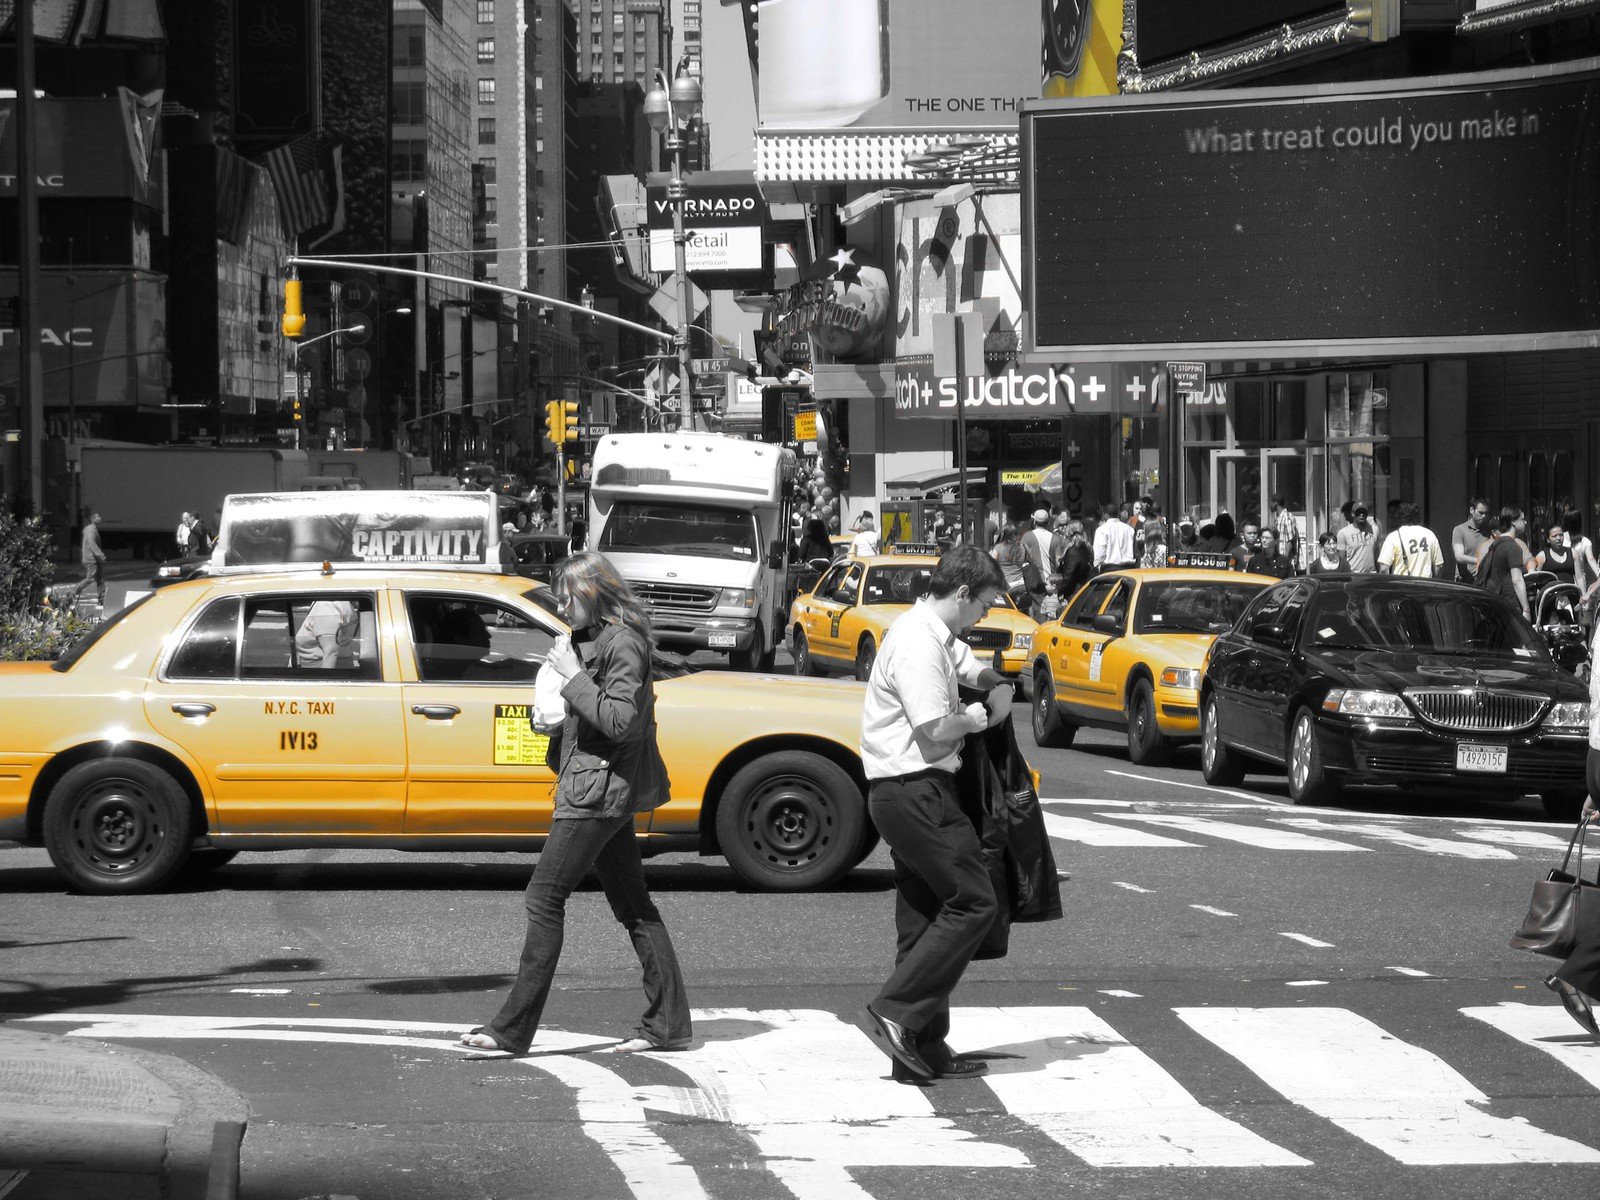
[{"x": 777, "y": 553}]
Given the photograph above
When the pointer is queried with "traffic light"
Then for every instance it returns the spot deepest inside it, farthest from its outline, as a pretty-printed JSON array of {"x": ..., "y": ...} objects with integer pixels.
[
  {"x": 298, "y": 416},
  {"x": 572, "y": 469},
  {"x": 569, "y": 421},
  {"x": 294, "y": 316},
  {"x": 555, "y": 422}
]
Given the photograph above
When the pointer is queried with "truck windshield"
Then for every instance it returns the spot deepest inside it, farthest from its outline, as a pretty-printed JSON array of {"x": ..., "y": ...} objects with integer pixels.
[{"x": 642, "y": 527}]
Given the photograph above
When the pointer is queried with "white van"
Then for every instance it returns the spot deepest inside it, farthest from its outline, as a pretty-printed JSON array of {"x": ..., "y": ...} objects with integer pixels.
[{"x": 698, "y": 524}]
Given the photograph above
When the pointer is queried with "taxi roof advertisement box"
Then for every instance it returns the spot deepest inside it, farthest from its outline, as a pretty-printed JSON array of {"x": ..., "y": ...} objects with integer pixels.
[
  {"x": 440, "y": 529},
  {"x": 1438, "y": 215},
  {"x": 882, "y": 64}
]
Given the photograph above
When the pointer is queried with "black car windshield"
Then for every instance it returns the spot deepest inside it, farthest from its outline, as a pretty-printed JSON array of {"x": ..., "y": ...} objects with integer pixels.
[
  {"x": 658, "y": 527},
  {"x": 1434, "y": 621},
  {"x": 1191, "y": 606}
]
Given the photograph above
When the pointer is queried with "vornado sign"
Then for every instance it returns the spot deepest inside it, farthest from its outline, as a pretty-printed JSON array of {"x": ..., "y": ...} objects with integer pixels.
[
  {"x": 724, "y": 221},
  {"x": 1431, "y": 215}
]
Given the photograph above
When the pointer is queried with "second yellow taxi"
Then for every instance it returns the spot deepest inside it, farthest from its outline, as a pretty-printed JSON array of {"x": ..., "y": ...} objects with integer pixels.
[
  {"x": 839, "y": 624},
  {"x": 1127, "y": 651}
]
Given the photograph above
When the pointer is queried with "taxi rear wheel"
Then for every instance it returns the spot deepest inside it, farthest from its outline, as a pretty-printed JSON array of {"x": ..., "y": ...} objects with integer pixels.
[
  {"x": 1147, "y": 745},
  {"x": 866, "y": 655},
  {"x": 117, "y": 825},
  {"x": 1048, "y": 727},
  {"x": 791, "y": 822},
  {"x": 804, "y": 664}
]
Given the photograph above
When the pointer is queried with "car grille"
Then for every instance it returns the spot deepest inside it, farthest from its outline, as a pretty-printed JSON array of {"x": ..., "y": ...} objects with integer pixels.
[
  {"x": 987, "y": 639},
  {"x": 675, "y": 597},
  {"x": 1520, "y": 769},
  {"x": 1477, "y": 710}
]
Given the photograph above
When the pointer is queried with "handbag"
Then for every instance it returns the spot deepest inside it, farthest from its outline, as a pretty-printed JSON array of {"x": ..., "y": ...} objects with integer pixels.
[{"x": 1555, "y": 912}]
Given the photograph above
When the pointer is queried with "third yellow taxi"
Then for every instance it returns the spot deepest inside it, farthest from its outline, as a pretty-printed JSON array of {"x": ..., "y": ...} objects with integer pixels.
[
  {"x": 839, "y": 624},
  {"x": 1126, "y": 653}
]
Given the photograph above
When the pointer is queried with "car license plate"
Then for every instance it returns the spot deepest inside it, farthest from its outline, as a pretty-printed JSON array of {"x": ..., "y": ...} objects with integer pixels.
[
  {"x": 1481, "y": 758},
  {"x": 723, "y": 639}
]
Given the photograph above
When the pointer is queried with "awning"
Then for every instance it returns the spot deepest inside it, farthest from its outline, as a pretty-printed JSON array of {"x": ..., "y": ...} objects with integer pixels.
[{"x": 936, "y": 479}]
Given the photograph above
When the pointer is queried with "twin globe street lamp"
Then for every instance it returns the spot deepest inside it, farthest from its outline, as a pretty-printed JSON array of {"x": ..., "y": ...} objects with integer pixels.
[{"x": 670, "y": 109}]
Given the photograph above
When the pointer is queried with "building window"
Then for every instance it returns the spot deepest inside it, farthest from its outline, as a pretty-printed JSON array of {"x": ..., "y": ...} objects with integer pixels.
[
  {"x": 407, "y": 161},
  {"x": 616, "y": 20},
  {"x": 538, "y": 83},
  {"x": 538, "y": 145},
  {"x": 410, "y": 48},
  {"x": 485, "y": 12},
  {"x": 490, "y": 167},
  {"x": 594, "y": 39},
  {"x": 485, "y": 131},
  {"x": 538, "y": 114},
  {"x": 485, "y": 91},
  {"x": 410, "y": 104},
  {"x": 538, "y": 178},
  {"x": 486, "y": 50}
]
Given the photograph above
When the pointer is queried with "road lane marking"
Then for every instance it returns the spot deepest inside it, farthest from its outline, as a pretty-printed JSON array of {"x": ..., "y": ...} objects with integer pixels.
[
  {"x": 814, "y": 1094},
  {"x": 1305, "y": 983},
  {"x": 1394, "y": 1096},
  {"x": 1309, "y": 941},
  {"x": 1200, "y": 787},
  {"x": 1400, "y": 837},
  {"x": 1081, "y": 1084},
  {"x": 1094, "y": 833},
  {"x": 1264, "y": 836},
  {"x": 259, "y": 991},
  {"x": 1517, "y": 837},
  {"x": 1132, "y": 887},
  {"x": 1089, "y": 800},
  {"x": 1545, "y": 1027},
  {"x": 1121, "y": 994},
  {"x": 1215, "y": 912},
  {"x": 1411, "y": 971}
]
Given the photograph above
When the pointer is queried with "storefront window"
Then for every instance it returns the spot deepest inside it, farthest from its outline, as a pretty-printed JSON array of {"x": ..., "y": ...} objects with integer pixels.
[
  {"x": 1358, "y": 405},
  {"x": 1359, "y": 472}
]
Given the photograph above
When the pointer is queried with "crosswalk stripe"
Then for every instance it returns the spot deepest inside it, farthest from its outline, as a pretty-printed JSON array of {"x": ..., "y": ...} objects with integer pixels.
[
  {"x": 1545, "y": 1027},
  {"x": 1528, "y": 838},
  {"x": 814, "y": 1094},
  {"x": 1397, "y": 1097},
  {"x": 1086, "y": 1088},
  {"x": 1401, "y": 837},
  {"x": 1093, "y": 833},
  {"x": 1264, "y": 836}
]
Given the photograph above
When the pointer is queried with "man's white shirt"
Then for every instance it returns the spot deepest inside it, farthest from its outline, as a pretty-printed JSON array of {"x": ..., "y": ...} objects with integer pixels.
[
  {"x": 914, "y": 681},
  {"x": 1411, "y": 550},
  {"x": 1113, "y": 542}
]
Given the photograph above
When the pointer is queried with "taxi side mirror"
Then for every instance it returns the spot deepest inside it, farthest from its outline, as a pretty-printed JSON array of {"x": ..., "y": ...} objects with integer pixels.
[{"x": 1108, "y": 623}]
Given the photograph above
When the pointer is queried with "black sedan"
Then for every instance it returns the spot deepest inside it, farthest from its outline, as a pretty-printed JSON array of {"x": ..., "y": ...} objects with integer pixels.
[
  {"x": 1373, "y": 679},
  {"x": 538, "y": 553}
]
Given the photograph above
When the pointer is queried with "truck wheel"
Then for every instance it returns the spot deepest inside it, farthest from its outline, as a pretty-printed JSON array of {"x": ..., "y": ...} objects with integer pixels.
[
  {"x": 752, "y": 659},
  {"x": 865, "y": 657},
  {"x": 117, "y": 825},
  {"x": 792, "y": 821},
  {"x": 1147, "y": 745},
  {"x": 804, "y": 664}
]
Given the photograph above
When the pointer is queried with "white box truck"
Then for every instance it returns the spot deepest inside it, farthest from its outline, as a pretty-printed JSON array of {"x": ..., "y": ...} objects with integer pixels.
[{"x": 698, "y": 524}]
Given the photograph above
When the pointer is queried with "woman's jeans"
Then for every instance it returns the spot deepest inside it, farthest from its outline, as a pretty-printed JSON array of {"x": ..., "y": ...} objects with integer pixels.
[{"x": 609, "y": 846}]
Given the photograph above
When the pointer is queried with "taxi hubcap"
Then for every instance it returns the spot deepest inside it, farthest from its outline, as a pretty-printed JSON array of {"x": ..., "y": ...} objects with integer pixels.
[
  {"x": 790, "y": 820},
  {"x": 114, "y": 826}
]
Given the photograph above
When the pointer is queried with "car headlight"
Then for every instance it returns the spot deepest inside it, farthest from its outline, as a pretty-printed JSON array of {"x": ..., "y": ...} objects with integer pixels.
[
  {"x": 1181, "y": 677},
  {"x": 1022, "y": 641},
  {"x": 1353, "y": 702},
  {"x": 169, "y": 572},
  {"x": 736, "y": 598},
  {"x": 1570, "y": 714}
]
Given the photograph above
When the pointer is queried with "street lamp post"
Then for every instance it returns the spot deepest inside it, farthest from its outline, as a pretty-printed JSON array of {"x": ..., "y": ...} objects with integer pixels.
[
  {"x": 670, "y": 109},
  {"x": 299, "y": 372}
]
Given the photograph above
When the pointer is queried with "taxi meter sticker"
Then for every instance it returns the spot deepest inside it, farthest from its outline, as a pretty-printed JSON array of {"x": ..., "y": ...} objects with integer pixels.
[
  {"x": 1094, "y": 663},
  {"x": 515, "y": 742}
]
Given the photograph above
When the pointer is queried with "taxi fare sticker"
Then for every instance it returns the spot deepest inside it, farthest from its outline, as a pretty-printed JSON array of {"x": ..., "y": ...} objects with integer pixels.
[{"x": 515, "y": 742}]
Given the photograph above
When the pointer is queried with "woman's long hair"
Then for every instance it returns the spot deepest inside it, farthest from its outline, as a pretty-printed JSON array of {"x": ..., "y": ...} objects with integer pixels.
[{"x": 604, "y": 593}]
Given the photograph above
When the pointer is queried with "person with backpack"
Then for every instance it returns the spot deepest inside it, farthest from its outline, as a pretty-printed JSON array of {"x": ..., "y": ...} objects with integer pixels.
[
  {"x": 1411, "y": 547},
  {"x": 1500, "y": 565}
]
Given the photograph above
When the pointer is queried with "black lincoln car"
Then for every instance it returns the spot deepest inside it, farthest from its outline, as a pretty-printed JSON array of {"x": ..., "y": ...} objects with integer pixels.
[{"x": 1374, "y": 679}]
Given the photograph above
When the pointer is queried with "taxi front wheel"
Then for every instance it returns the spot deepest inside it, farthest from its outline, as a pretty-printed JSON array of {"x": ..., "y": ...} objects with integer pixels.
[
  {"x": 1147, "y": 745},
  {"x": 791, "y": 821},
  {"x": 117, "y": 825}
]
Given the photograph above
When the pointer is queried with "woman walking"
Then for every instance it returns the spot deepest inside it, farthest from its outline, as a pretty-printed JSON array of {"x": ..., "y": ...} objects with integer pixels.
[
  {"x": 1013, "y": 560},
  {"x": 610, "y": 770},
  {"x": 1577, "y": 982}
]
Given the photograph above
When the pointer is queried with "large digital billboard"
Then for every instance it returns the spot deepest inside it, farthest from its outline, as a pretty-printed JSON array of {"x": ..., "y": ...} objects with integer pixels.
[{"x": 1434, "y": 215}]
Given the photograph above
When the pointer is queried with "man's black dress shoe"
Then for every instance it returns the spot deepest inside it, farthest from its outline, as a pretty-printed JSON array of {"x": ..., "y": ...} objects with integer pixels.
[
  {"x": 900, "y": 1043},
  {"x": 946, "y": 1064}
]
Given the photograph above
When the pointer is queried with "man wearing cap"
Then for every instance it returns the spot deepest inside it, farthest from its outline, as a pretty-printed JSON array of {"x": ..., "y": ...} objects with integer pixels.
[
  {"x": 1358, "y": 540},
  {"x": 1036, "y": 543}
]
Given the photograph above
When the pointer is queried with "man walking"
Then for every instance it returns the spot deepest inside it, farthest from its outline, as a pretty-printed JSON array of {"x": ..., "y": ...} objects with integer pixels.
[
  {"x": 1467, "y": 540},
  {"x": 1036, "y": 542},
  {"x": 1113, "y": 541},
  {"x": 93, "y": 558},
  {"x": 1358, "y": 540},
  {"x": 912, "y": 727},
  {"x": 1411, "y": 549}
]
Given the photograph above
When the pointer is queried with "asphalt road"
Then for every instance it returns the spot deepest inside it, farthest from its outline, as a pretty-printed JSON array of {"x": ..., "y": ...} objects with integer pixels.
[{"x": 1245, "y": 1000}]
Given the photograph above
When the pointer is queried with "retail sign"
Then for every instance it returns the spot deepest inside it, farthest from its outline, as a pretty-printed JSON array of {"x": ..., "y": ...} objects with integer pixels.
[
  {"x": 879, "y": 66},
  {"x": 1027, "y": 393},
  {"x": 1499, "y": 166},
  {"x": 724, "y": 219},
  {"x": 1188, "y": 378}
]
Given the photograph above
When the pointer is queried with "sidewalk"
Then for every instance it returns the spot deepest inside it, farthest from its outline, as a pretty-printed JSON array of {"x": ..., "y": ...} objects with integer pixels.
[{"x": 85, "y": 1118}]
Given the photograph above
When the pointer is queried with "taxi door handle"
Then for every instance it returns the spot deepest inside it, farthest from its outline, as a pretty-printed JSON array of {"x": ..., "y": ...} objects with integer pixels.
[
  {"x": 1085, "y": 645},
  {"x": 436, "y": 712},
  {"x": 197, "y": 708}
]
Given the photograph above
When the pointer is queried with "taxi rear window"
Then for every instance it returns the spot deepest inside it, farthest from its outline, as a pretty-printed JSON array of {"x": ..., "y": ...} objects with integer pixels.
[{"x": 70, "y": 656}]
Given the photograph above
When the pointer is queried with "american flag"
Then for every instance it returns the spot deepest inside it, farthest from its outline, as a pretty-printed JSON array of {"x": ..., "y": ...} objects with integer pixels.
[{"x": 302, "y": 176}]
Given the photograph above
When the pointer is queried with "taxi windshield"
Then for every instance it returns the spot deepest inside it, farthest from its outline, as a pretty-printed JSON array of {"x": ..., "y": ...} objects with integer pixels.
[
  {"x": 1191, "y": 606},
  {"x": 1430, "y": 621},
  {"x": 662, "y": 527}
]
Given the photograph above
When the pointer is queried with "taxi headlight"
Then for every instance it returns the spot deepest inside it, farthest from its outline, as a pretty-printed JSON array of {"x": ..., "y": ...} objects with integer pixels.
[
  {"x": 736, "y": 598},
  {"x": 1353, "y": 702},
  {"x": 1022, "y": 641},
  {"x": 1570, "y": 714},
  {"x": 169, "y": 572},
  {"x": 1181, "y": 677}
]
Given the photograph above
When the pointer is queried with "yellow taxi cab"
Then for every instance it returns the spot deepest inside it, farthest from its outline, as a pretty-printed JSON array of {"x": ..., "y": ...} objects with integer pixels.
[
  {"x": 1127, "y": 651},
  {"x": 840, "y": 623},
  {"x": 208, "y": 718}
]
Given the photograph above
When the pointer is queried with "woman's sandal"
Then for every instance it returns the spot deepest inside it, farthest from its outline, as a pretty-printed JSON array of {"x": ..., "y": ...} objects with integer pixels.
[
  {"x": 483, "y": 1043},
  {"x": 1575, "y": 1002}
]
